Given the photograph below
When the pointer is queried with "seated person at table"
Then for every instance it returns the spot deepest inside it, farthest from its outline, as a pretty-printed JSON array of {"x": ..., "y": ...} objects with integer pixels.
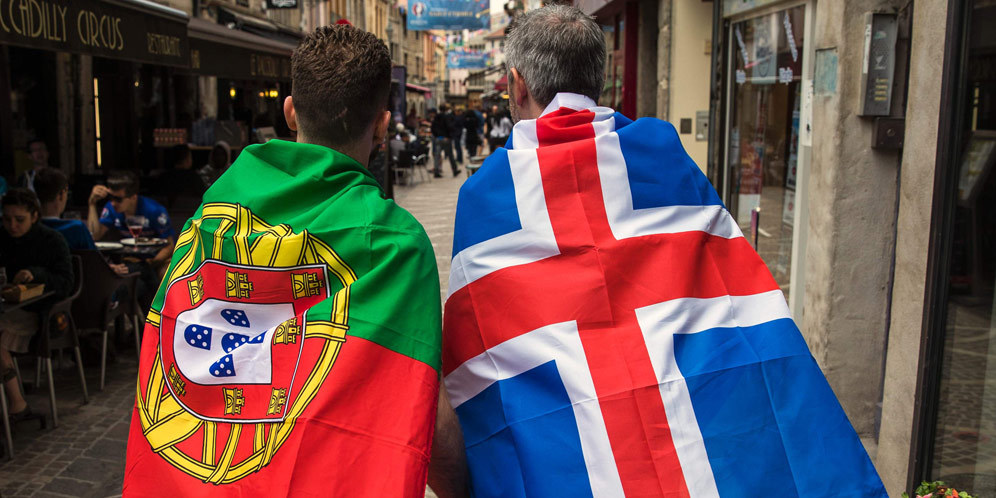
[
  {"x": 52, "y": 188},
  {"x": 31, "y": 253},
  {"x": 124, "y": 202}
]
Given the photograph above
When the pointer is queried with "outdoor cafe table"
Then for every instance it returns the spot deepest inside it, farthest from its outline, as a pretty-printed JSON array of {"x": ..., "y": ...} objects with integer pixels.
[
  {"x": 125, "y": 251},
  {"x": 11, "y": 306}
]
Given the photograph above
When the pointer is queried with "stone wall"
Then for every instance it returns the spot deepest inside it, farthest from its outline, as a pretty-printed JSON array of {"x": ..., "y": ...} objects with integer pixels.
[{"x": 851, "y": 200}]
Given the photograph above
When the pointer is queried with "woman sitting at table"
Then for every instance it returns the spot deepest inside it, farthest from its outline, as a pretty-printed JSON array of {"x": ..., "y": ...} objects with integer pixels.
[{"x": 31, "y": 253}]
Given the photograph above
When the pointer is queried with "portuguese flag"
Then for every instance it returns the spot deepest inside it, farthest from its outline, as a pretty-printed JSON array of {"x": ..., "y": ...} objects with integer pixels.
[{"x": 293, "y": 347}]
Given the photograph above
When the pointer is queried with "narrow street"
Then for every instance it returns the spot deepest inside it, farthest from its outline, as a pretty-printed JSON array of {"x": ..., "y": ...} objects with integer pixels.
[{"x": 84, "y": 456}]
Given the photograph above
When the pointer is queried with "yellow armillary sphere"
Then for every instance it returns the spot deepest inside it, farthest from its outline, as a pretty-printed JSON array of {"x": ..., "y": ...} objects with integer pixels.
[{"x": 233, "y": 262}]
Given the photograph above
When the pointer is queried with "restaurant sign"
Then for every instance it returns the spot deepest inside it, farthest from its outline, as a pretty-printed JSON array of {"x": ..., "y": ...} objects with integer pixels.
[
  {"x": 228, "y": 61},
  {"x": 96, "y": 28}
]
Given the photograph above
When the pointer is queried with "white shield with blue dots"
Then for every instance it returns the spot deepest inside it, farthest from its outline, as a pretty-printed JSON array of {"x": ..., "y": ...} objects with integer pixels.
[{"x": 228, "y": 343}]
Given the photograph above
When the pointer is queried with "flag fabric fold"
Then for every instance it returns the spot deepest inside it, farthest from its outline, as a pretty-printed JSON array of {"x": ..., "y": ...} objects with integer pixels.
[
  {"x": 610, "y": 332},
  {"x": 298, "y": 318}
]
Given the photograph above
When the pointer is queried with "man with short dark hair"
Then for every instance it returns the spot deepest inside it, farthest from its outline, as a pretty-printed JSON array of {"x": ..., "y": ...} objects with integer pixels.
[
  {"x": 52, "y": 188},
  {"x": 123, "y": 201},
  {"x": 609, "y": 331},
  {"x": 293, "y": 347}
]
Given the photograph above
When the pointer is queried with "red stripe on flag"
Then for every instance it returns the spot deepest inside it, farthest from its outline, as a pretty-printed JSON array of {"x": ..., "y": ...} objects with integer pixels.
[{"x": 624, "y": 378}]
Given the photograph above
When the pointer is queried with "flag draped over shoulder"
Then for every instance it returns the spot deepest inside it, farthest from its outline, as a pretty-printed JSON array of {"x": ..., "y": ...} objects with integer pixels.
[
  {"x": 293, "y": 348},
  {"x": 610, "y": 332}
]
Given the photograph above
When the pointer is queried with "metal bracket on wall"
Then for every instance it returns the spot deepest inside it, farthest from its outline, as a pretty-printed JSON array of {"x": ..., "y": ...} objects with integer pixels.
[{"x": 888, "y": 133}]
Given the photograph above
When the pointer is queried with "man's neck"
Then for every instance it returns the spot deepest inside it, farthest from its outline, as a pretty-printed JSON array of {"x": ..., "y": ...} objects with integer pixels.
[
  {"x": 353, "y": 150},
  {"x": 49, "y": 210}
]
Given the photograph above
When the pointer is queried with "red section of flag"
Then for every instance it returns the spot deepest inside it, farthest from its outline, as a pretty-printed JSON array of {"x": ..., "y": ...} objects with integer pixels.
[{"x": 340, "y": 446}]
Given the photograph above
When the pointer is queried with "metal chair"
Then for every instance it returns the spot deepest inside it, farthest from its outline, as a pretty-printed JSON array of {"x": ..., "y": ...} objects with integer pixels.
[
  {"x": 397, "y": 149},
  {"x": 49, "y": 339},
  {"x": 96, "y": 308}
]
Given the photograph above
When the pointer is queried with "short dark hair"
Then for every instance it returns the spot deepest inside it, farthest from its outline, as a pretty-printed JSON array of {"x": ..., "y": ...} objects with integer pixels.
[
  {"x": 21, "y": 197},
  {"x": 341, "y": 80},
  {"x": 48, "y": 183},
  {"x": 123, "y": 179}
]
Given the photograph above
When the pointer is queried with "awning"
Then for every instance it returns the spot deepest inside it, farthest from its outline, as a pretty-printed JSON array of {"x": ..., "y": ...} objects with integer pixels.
[
  {"x": 502, "y": 84},
  {"x": 418, "y": 89},
  {"x": 136, "y": 30},
  {"x": 216, "y": 50}
]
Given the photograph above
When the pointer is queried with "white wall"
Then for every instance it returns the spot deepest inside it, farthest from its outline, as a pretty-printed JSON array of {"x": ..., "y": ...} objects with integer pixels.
[{"x": 691, "y": 28}]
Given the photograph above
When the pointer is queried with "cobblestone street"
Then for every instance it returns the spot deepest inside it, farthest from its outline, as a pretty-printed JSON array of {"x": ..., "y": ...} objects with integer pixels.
[{"x": 84, "y": 456}]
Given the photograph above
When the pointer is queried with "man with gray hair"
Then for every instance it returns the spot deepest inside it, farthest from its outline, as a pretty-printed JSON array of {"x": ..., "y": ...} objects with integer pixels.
[{"x": 608, "y": 330}]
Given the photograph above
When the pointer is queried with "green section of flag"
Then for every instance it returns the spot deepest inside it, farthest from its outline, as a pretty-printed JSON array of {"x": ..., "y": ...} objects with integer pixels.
[{"x": 394, "y": 301}]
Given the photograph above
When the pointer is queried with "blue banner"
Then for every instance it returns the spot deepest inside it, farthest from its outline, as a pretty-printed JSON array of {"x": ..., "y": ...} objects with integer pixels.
[
  {"x": 450, "y": 15},
  {"x": 466, "y": 60}
]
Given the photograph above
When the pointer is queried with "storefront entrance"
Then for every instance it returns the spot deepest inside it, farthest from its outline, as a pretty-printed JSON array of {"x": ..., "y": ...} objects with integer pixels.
[
  {"x": 961, "y": 448},
  {"x": 764, "y": 74}
]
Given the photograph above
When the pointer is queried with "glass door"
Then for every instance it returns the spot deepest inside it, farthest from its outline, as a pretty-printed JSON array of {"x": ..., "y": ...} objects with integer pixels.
[
  {"x": 964, "y": 435},
  {"x": 762, "y": 157}
]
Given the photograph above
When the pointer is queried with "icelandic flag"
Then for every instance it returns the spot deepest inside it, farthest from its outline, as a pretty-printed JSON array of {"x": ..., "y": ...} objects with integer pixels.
[{"x": 610, "y": 332}]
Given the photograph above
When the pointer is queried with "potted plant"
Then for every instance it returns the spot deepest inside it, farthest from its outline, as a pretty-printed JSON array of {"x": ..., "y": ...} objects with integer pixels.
[{"x": 937, "y": 489}]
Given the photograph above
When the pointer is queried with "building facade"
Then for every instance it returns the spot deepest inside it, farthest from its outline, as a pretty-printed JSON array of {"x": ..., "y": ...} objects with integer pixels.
[{"x": 852, "y": 140}]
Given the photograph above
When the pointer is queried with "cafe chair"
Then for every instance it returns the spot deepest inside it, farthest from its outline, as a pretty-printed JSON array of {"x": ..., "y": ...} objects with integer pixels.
[
  {"x": 95, "y": 309},
  {"x": 58, "y": 332}
]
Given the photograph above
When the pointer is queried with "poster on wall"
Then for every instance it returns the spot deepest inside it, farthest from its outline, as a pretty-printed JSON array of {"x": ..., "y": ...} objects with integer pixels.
[
  {"x": 459, "y": 59},
  {"x": 450, "y": 15}
]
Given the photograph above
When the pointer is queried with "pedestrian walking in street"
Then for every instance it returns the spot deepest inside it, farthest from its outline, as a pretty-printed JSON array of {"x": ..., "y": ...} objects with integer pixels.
[
  {"x": 470, "y": 125},
  {"x": 454, "y": 120},
  {"x": 499, "y": 130},
  {"x": 293, "y": 349},
  {"x": 609, "y": 331},
  {"x": 442, "y": 143}
]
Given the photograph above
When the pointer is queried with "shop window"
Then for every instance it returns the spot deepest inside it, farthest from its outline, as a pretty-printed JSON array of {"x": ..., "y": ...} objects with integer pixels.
[
  {"x": 765, "y": 77},
  {"x": 964, "y": 437}
]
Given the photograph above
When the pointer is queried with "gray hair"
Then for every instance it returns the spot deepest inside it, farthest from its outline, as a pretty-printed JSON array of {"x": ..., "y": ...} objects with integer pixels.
[{"x": 556, "y": 49}]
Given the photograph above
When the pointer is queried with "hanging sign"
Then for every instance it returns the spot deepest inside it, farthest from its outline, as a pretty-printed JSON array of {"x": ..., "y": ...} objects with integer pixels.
[
  {"x": 450, "y": 15},
  {"x": 458, "y": 59}
]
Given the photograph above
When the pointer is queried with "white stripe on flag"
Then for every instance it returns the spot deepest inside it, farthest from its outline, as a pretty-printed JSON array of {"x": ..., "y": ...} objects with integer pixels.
[
  {"x": 561, "y": 343},
  {"x": 533, "y": 242},
  {"x": 627, "y": 222},
  {"x": 659, "y": 323}
]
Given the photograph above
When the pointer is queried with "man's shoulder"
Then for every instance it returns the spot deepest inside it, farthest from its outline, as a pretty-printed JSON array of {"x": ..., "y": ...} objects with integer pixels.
[
  {"x": 383, "y": 215},
  {"x": 150, "y": 205}
]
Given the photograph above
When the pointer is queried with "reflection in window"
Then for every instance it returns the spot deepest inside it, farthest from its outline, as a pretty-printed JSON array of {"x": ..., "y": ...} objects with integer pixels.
[
  {"x": 965, "y": 435},
  {"x": 766, "y": 60}
]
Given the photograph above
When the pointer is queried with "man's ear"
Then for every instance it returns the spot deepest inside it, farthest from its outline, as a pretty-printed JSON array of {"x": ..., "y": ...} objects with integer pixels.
[
  {"x": 289, "y": 113},
  {"x": 380, "y": 127},
  {"x": 521, "y": 92}
]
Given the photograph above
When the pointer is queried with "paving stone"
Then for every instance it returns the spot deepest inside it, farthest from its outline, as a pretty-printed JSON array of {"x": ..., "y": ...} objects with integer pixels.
[
  {"x": 90, "y": 469},
  {"x": 107, "y": 449},
  {"x": 71, "y": 487}
]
